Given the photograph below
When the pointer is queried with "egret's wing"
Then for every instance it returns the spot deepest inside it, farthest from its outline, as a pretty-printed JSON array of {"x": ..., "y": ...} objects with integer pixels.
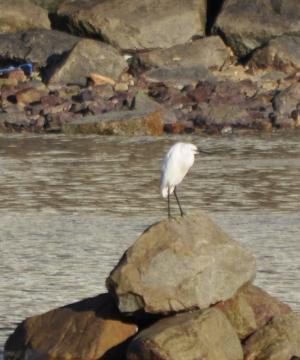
[{"x": 167, "y": 171}]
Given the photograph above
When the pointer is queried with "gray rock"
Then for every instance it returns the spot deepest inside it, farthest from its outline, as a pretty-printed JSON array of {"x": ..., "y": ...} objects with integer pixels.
[
  {"x": 21, "y": 15},
  {"x": 118, "y": 123},
  {"x": 40, "y": 47},
  {"x": 180, "y": 264},
  {"x": 88, "y": 56},
  {"x": 137, "y": 24},
  {"x": 279, "y": 339},
  {"x": 144, "y": 103},
  {"x": 196, "y": 335},
  {"x": 49, "y": 5},
  {"x": 227, "y": 114},
  {"x": 179, "y": 77},
  {"x": 282, "y": 53},
  {"x": 287, "y": 100},
  {"x": 210, "y": 52},
  {"x": 248, "y": 24}
]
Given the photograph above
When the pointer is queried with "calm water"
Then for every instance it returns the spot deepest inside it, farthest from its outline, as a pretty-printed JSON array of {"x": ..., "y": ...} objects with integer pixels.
[{"x": 69, "y": 207}]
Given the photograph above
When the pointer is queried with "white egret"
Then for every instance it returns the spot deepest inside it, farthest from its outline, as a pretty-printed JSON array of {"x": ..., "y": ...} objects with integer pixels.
[{"x": 177, "y": 162}]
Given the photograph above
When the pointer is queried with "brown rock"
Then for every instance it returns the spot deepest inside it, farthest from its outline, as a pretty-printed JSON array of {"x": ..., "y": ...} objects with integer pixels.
[
  {"x": 195, "y": 335},
  {"x": 250, "y": 309},
  {"x": 206, "y": 266},
  {"x": 98, "y": 79},
  {"x": 8, "y": 82},
  {"x": 279, "y": 339},
  {"x": 88, "y": 329},
  {"x": 18, "y": 75},
  {"x": 22, "y": 15},
  {"x": 121, "y": 87},
  {"x": 29, "y": 95},
  {"x": 14, "y": 121},
  {"x": 175, "y": 128},
  {"x": 118, "y": 123}
]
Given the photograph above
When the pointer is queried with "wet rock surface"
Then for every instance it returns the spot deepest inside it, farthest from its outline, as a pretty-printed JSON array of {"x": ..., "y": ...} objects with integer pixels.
[{"x": 204, "y": 267}]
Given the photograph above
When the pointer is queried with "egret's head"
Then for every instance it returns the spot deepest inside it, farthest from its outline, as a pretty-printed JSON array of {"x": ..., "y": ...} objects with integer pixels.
[{"x": 194, "y": 149}]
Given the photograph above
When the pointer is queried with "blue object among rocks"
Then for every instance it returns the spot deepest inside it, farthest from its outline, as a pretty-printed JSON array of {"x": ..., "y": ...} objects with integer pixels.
[{"x": 27, "y": 68}]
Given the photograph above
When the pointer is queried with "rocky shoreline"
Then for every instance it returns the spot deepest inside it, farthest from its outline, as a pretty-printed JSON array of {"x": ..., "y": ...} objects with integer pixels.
[
  {"x": 183, "y": 290},
  {"x": 132, "y": 68}
]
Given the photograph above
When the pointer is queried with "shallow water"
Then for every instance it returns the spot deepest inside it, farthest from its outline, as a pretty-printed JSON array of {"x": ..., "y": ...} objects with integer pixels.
[{"x": 70, "y": 206}]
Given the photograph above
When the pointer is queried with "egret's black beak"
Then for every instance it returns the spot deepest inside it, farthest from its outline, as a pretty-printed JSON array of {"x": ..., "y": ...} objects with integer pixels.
[{"x": 199, "y": 151}]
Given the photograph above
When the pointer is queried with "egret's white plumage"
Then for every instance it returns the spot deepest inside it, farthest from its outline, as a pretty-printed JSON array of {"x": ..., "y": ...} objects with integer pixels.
[{"x": 177, "y": 162}]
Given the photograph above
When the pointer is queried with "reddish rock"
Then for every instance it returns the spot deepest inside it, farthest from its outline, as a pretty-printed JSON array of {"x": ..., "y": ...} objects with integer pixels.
[
  {"x": 89, "y": 329},
  {"x": 251, "y": 308},
  {"x": 175, "y": 128},
  {"x": 17, "y": 75},
  {"x": 29, "y": 95}
]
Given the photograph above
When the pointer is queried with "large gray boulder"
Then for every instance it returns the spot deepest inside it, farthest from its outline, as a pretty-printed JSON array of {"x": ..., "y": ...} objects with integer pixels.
[
  {"x": 180, "y": 264},
  {"x": 195, "y": 335},
  {"x": 282, "y": 53},
  {"x": 249, "y": 24},
  {"x": 210, "y": 52},
  {"x": 137, "y": 24},
  {"x": 20, "y": 15},
  {"x": 86, "y": 57},
  {"x": 40, "y": 47}
]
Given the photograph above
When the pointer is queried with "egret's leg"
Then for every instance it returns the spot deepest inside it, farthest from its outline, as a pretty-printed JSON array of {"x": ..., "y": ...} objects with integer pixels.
[
  {"x": 169, "y": 210},
  {"x": 180, "y": 208}
]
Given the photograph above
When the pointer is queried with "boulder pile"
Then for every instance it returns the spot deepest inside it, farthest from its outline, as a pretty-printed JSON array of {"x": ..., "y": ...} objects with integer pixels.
[
  {"x": 213, "y": 66},
  {"x": 183, "y": 290}
]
